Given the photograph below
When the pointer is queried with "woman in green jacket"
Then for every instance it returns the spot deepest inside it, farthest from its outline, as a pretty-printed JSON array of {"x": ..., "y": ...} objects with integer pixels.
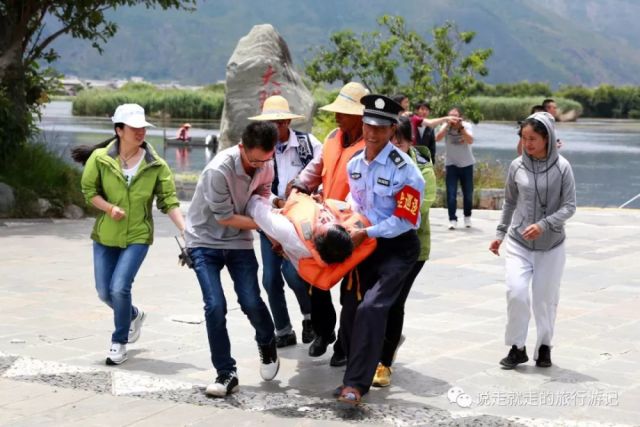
[
  {"x": 393, "y": 333},
  {"x": 121, "y": 178}
]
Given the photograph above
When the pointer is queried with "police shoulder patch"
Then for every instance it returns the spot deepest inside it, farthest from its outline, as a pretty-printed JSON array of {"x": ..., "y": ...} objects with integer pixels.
[{"x": 397, "y": 159}]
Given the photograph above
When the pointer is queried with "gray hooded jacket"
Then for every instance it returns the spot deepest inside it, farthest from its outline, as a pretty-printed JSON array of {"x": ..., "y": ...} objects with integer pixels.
[{"x": 539, "y": 192}]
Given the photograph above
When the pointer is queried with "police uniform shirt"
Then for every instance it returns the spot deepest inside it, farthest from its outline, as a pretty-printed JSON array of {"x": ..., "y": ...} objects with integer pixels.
[
  {"x": 374, "y": 186},
  {"x": 288, "y": 161}
]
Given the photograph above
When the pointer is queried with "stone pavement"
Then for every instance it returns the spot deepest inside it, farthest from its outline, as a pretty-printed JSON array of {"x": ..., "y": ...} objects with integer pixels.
[{"x": 54, "y": 333}]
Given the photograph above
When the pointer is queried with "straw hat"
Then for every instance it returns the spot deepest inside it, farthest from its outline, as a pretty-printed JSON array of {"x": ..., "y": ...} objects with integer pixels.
[
  {"x": 276, "y": 108},
  {"x": 348, "y": 100}
]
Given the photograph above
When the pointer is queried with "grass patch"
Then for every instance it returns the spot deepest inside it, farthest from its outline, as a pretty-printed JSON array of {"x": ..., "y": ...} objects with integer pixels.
[
  {"x": 486, "y": 174},
  {"x": 204, "y": 103},
  {"x": 35, "y": 172}
]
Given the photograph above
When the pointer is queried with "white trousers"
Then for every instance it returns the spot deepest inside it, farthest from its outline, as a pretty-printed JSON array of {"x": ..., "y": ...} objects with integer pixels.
[{"x": 543, "y": 269}]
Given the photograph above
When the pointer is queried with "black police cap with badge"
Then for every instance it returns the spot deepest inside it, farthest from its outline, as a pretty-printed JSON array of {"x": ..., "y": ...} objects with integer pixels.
[{"x": 380, "y": 110}]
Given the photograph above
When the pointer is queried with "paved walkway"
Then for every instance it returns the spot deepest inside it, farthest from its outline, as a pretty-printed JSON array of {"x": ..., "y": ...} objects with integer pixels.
[{"x": 54, "y": 334}]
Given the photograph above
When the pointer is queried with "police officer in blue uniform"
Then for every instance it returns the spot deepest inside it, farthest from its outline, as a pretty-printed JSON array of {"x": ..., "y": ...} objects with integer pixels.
[{"x": 388, "y": 189}]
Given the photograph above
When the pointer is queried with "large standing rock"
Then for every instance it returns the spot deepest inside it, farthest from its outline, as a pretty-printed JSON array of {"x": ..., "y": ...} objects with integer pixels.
[
  {"x": 72, "y": 211},
  {"x": 7, "y": 199},
  {"x": 259, "y": 67}
]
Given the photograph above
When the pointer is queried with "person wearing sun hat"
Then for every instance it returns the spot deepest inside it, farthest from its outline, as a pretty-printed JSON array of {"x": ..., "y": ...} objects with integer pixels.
[
  {"x": 294, "y": 150},
  {"x": 183, "y": 132},
  {"x": 121, "y": 178},
  {"x": 330, "y": 171},
  {"x": 387, "y": 188}
]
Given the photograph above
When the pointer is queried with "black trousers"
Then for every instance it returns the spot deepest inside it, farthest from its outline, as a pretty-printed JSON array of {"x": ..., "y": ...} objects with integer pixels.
[
  {"x": 395, "y": 319},
  {"x": 323, "y": 316},
  {"x": 363, "y": 321}
]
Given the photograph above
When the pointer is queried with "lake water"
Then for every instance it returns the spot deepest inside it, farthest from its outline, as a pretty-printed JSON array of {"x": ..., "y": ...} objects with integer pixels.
[{"x": 604, "y": 154}]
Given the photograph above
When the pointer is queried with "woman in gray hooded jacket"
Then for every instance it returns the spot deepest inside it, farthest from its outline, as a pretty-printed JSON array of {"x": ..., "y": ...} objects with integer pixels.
[{"x": 540, "y": 197}]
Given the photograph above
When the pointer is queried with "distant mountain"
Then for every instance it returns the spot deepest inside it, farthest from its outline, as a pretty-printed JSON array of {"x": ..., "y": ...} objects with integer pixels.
[{"x": 558, "y": 41}]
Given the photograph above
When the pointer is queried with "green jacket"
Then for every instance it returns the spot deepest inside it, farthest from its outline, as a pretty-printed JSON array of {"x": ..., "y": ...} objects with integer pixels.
[
  {"x": 103, "y": 176},
  {"x": 422, "y": 158}
]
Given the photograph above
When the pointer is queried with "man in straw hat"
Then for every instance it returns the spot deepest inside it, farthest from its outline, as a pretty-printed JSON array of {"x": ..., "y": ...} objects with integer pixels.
[
  {"x": 330, "y": 170},
  {"x": 387, "y": 188},
  {"x": 294, "y": 150}
]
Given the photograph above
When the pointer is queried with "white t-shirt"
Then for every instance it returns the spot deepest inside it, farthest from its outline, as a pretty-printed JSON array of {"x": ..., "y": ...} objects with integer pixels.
[{"x": 131, "y": 172}]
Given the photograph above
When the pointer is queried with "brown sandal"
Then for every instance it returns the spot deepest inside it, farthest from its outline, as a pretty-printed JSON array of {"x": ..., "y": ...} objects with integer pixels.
[{"x": 350, "y": 395}]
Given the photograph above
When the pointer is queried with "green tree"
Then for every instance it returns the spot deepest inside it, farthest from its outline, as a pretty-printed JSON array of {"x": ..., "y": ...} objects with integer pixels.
[
  {"x": 396, "y": 59},
  {"x": 25, "y": 43}
]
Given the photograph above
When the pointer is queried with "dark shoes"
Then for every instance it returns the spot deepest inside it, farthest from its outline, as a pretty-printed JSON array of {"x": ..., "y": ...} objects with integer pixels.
[
  {"x": 287, "y": 340},
  {"x": 307, "y": 331},
  {"x": 515, "y": 357},
  {"x": 544, "y": 357},
  {"x": 319, "y": 345},
  {"x": 338, "y": 359}
]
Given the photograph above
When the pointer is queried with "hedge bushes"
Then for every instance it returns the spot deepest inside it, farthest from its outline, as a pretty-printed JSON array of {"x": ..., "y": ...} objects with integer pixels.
[
  {"x": 512, "y": 108},
  {"x": 622, "y": 102}
]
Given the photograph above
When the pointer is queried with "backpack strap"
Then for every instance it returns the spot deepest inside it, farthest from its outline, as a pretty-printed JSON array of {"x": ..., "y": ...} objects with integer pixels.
[{"x": 305, "y": 149}]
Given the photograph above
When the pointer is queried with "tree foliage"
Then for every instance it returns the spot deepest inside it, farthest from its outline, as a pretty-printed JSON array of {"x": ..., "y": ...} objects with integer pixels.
[
  {"x": 27, "y": 30},
  {"x": 395, "y": 59},
  {"x": 618, "y": 102}
]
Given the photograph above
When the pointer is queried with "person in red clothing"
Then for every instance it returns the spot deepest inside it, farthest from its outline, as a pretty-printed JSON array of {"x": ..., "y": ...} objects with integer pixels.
[
  {"x": 423, "y": 128},
  {"x": 183, "y": 132}
]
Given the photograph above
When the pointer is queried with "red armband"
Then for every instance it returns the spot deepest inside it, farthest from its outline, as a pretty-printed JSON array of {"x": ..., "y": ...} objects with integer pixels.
[{"x": 408, "y": 204}]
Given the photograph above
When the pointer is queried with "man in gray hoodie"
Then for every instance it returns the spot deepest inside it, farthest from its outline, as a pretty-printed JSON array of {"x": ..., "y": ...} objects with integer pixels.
[{"x": 540, "y": 197}]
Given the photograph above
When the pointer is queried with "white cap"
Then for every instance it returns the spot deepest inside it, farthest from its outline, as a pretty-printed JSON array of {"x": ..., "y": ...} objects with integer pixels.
[{"x": 131, "y": 115}]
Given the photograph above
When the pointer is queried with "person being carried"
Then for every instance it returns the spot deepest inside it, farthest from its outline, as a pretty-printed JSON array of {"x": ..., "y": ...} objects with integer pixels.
[{"x": 315, "y": 237}]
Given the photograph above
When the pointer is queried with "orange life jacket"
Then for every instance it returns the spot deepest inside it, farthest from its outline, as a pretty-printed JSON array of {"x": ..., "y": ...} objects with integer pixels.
[
  {"x": 335, "y": 183},
  {"x": 302, "y": 211}
]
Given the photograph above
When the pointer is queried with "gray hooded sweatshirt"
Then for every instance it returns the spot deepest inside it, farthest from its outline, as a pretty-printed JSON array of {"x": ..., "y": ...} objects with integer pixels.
[{"x": 539, "y": 192}]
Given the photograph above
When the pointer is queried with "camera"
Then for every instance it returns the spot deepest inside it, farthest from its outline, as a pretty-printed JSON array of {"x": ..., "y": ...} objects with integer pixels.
[{"x": 183, "y": 257}]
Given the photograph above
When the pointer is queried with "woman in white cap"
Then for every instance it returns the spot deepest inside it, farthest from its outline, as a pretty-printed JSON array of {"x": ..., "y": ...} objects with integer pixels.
[{"x": 122, "y": 175}]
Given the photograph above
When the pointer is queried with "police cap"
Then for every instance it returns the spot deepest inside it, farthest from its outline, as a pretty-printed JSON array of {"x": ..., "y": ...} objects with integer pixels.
[{"x": 380, "y": 110}]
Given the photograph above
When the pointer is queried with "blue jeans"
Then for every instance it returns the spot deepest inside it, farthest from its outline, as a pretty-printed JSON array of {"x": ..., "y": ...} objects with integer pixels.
[
  {"x": 465, "y": 176},
  {"x": 114, "y": 269},
  {"x": 243, "y": 268},
  {"x": 272, "y": 265}
]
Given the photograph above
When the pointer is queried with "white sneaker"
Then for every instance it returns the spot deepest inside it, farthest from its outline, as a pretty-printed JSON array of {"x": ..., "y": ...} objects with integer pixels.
[
  {"x": 269, "y": 361},
  {"x": 225, "y": 384},
  {"x": 453, "y": 224},
  {"x": 136, "y": 326},
  {"x": 117, "y": 354},
  {"x": 467, "y": 221}
]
